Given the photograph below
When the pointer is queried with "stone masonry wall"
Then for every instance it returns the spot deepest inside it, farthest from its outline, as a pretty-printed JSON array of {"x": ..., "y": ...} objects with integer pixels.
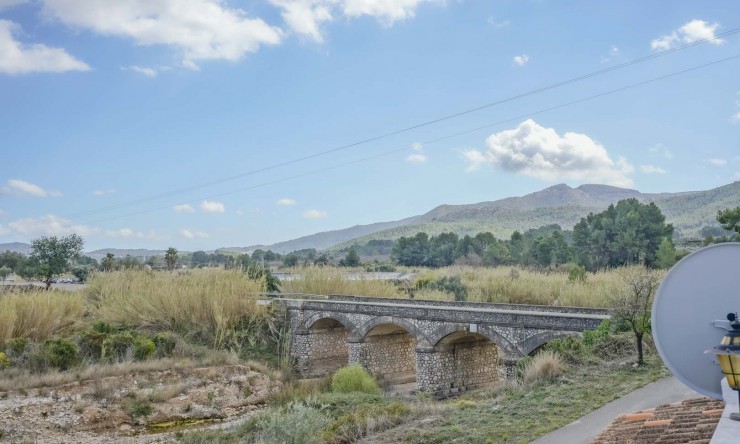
[
  {"x": 386, "y": 355},
  {"x": 458, "y": 367}
]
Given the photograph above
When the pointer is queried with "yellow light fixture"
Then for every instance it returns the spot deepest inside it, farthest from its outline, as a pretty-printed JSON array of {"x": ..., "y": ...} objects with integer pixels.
[{"x": 728, "y": 354}]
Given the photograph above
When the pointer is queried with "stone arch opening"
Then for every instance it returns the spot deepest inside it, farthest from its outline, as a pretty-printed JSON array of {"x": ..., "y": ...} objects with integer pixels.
[
  {"x": 388, "y": 351},
  {"x": 325, "y": 346},
  {"x": 533, "y": 345},
  {"x": 462, "y": 361}
]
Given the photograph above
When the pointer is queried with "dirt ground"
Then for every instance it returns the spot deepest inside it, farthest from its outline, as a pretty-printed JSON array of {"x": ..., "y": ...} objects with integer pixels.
[{"x": 137, "y": 408}]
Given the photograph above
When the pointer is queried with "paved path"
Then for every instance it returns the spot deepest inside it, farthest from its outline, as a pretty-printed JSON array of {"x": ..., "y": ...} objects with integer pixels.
[{"x": 585, "y": 429}]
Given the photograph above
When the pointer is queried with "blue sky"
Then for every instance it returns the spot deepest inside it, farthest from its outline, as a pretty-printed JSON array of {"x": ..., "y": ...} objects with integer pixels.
[{"x": 124, "y": 123}]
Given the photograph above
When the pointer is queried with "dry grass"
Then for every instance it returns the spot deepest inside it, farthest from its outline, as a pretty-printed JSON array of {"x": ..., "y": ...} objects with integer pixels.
[
  {"x": 325, "y": 280},
  {"x": 38, "y": 315},
  {"x": 213, "y": 301},
  {"x": 544, "y": 366},
  {"x": 502, "y": 285}
]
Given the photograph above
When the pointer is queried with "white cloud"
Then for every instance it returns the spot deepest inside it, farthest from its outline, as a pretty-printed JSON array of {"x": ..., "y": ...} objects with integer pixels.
[
  {"x": 613, "y": 52},
  {"x": 735, "y": 118},
  {"x": 716, "y": 162},
  {"x": 533, "y": 150},
  {"x": 239, "y": 213},
  {"x": 49, "y": 225},
  {"x": 691, "y": 32},
  {"x": 496, "y": 23},
  {"x": 22, "y": 187},
  {"x": 305, "y": 17},
  {"x": 143, "y": 70},
  {"x": 315, "y": 214},
  {"x": 192, "y": 234},
  {"x": 521, "y": 60},
  {"x": 19, "y": 58},
  {"x": 183, "y": 208},
  {"x": 212, "y": 207},
  {"x": 125, "y": 233},
  {"x": 416, "y": 158},
  {"x": 199, "y": 29},
  {"x": 660, "y": 150},
  {"x": 285, "y": 202},
  {"x": 104, "y": 192},
  {"x": 652, "y": 169},
  {"x": 3, "y": 213}
]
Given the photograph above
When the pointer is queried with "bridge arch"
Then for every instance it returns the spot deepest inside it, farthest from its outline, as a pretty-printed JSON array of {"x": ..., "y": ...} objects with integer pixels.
[
  {"x": 361, "y": 333},
  {"x": 536, "y": 341},
  {"x": 338, "y": 317},
  {"x": 499, "y": 340}
]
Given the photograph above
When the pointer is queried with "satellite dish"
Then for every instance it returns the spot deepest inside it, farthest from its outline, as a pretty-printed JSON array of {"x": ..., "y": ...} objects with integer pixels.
[{"x": 690, "y": 311}]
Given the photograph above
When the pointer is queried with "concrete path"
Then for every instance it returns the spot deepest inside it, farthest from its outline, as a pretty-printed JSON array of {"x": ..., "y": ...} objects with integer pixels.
[{"x": 585, "y": 429}]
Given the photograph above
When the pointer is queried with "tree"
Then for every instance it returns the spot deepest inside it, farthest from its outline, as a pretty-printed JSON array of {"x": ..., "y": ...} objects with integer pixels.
[
  {"x": 730, "y": 219},
  {"x": 665, "y": 257},
  {"x": 170, "y": 258},
  {"x": 412, "y": 251},
  {"x": 108, "y": 263},
  {"x": 632, "y": 303},
  {"x": 12, "y": 260},
  {"x": 351, "y": 260},
  {"x": 290, "y": 260},
  {"x": 51, "y": 256},
  {"x": 628, "y": 233},
  {"x": 4, "y": 272},
  {"x": 199, "y": 259}
]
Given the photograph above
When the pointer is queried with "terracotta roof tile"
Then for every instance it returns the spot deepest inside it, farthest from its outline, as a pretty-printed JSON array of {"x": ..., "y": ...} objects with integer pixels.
[{"x": 692, "y": 421}]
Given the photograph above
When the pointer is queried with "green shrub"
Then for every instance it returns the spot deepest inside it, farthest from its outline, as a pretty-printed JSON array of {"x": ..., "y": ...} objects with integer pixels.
[
  {"x": 577, "y": 274},
  {"x": 297, "y": 423},
  {"x": 102, "y": 327},
  {"x": 143, "y": 348},
  {"x": 354, "y": 379},
  {"x": 61, "y": 353},
  {"x": 4, "y": 361},
  {"x": 364, "y": 421},
  {"x": 91, "y": 344},
  {"x": 16, "y": 346},
  {"x": 448, "y": 284},
  {"x": 570, "y": 348},
  {"x": 164, "y": 344},
  {"x": 119, "y": 346},
  {"x": 592, "y": 338},
  {"x": 138, "y": 407}
]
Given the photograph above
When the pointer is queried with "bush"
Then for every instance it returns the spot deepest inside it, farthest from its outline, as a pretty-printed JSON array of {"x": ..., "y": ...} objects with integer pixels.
[
  {"x": 448, "y": 284},
  {"x": 164, "y": 344},
  {"x": 143, "y": 348},
  {"x": 298, "y": 423},
  {"x": 91, "y": 344},
  {"x": 118, "y": 347},
  {"x": 364, "y": 421},
  {"x": 592, "y": 338},
  {"x": 138, "y": 407},
  {"x": 571, "y": 349},
  {"x": 17, "y": 346},
  {"x": 4, "y": 361},
  {"x": 354, "y": 379},
  {"x": 61, "y": 353},
  {"x": 577, "y": 274},
  {"x": 544, "y": 366}
]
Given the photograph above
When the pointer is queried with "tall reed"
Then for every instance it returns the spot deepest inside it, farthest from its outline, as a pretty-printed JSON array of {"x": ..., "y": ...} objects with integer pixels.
[
  {"x": 325, "y": 280},
  {"x": 211, "y": 302},
  {"x": 39, "y": 314}
]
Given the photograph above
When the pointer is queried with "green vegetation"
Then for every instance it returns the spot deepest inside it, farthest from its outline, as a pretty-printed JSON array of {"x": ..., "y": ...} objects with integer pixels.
[
  {"x": 51, "y": 256},
  {"x": 730, "y": 219},
  {"x": 354, "y": 378}
]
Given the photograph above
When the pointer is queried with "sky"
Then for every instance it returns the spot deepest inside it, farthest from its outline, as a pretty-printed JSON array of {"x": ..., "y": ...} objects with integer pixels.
[{"x": 202, "y": 124}]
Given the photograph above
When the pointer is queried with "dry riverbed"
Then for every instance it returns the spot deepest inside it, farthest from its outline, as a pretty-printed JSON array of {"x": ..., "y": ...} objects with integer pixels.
[{"x": 140, "y": 407}]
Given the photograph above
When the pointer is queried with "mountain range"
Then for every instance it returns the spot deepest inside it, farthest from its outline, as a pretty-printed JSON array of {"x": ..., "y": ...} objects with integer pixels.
[{"x": 689, "y": 212}]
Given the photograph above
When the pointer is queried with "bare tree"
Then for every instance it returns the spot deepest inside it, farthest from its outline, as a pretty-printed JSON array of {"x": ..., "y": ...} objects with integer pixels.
[{"x": 633, "y": 302}]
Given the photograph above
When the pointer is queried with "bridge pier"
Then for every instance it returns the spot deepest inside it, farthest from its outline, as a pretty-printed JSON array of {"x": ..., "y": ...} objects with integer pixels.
[
  {"x": 461, "y": 364},
  {"x": 320, "y": 350}
]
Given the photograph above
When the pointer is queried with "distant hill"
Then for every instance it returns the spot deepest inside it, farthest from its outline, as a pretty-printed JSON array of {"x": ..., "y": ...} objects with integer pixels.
[
  {"x": 18, "y": 247},
  {"x": 689, "y": 212},
  {"x": 138, "y": 253},
  {"x": 326, "y": 239}
]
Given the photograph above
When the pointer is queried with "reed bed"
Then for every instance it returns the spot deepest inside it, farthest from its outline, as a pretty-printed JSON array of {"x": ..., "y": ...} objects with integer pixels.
[
  {"x": 214, "y": 302},
  {"x": 39, "y": 314},
  {"x": 324, "y": 280},
  {"x": 522, "y": 286}
]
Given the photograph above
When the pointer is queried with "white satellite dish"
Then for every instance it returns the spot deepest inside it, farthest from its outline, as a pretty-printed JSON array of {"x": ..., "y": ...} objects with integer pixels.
[{"x": 690, "y": 314}]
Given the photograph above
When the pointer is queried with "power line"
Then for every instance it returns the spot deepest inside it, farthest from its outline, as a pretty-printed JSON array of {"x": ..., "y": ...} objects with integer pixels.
[
  {"x": 406, "y": 129},
  {"x": 435, "y": 140}
]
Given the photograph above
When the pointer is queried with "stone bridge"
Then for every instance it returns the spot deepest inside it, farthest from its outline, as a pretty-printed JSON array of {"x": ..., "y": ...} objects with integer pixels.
[{"x": 445, "y": 347}]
